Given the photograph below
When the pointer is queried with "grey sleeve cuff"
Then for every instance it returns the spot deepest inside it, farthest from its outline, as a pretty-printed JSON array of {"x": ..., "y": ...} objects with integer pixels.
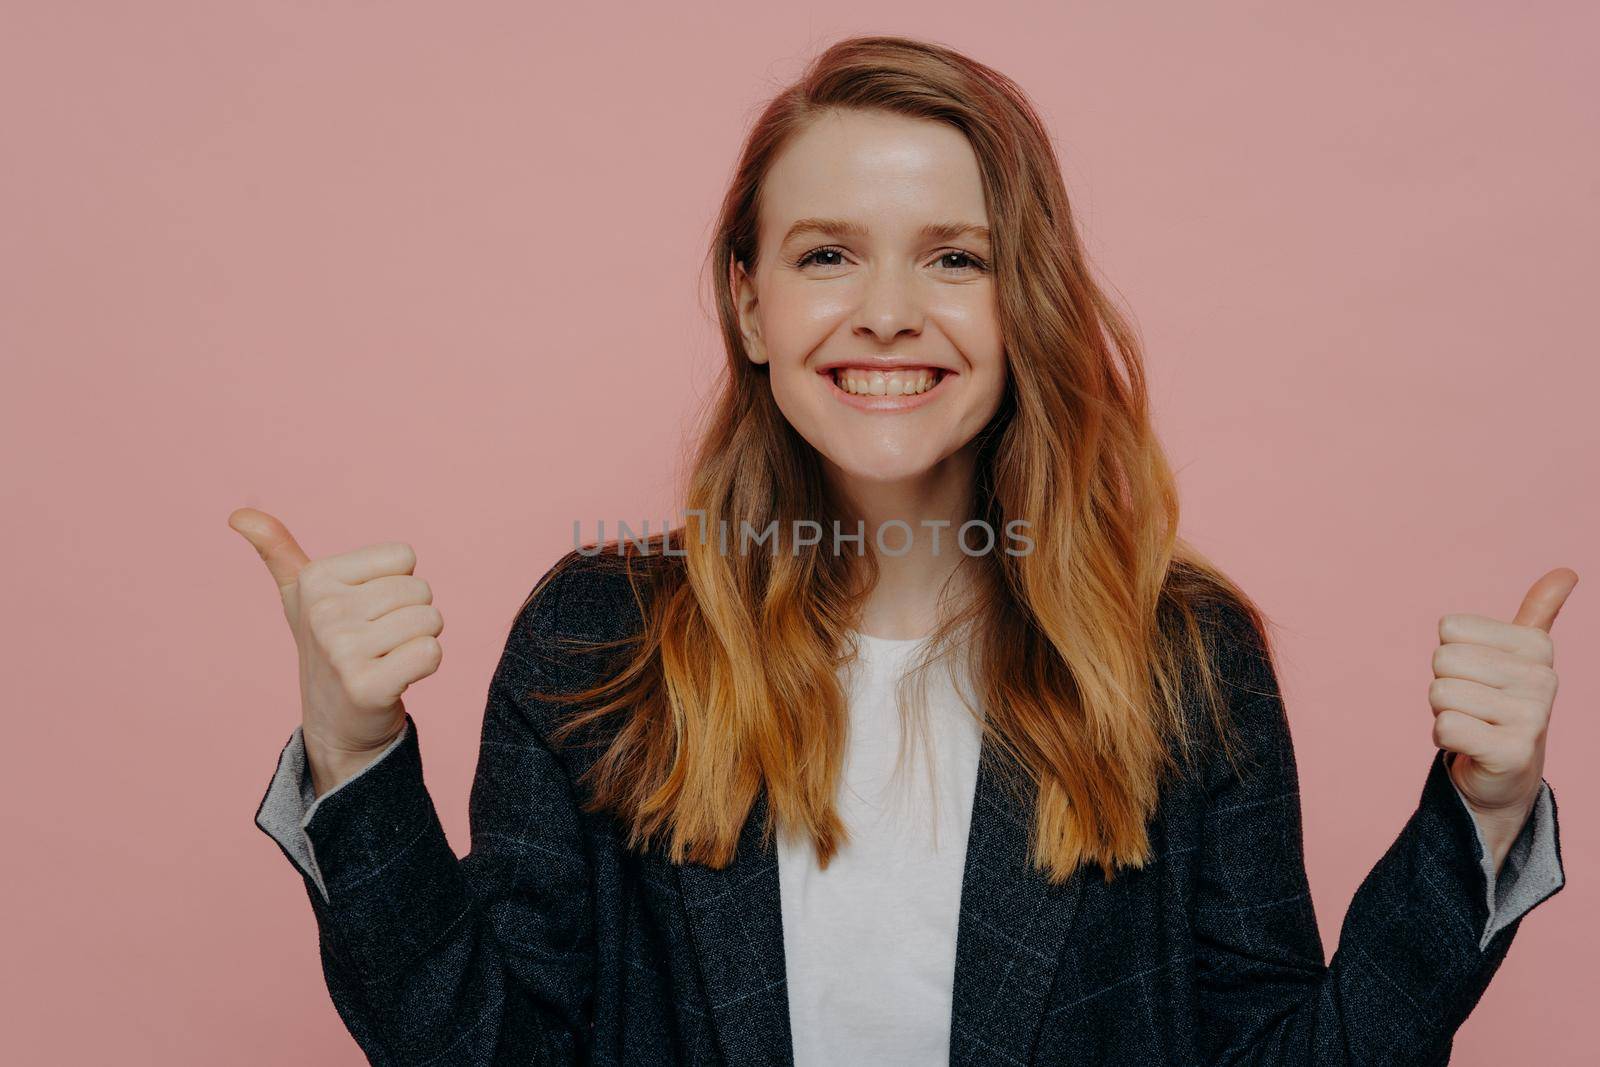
[
  {"x": 1532, "y": 869},
  {"x": 291, "y": 801}
]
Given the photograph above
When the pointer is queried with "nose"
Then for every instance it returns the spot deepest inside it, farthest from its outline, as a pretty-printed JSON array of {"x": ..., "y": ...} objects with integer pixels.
[{"x": 889, "y": 307}]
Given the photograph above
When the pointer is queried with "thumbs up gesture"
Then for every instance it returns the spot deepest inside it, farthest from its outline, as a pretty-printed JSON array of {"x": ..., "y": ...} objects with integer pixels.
[
  {"x": 365, "y": 628},
  {"x": 1493, "y": 689}
]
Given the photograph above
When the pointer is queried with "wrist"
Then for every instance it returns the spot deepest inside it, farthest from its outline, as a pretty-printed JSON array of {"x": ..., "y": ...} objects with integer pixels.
[
  {"x": 330, "y": 765},
  {"x": 1500, "y": 828}
]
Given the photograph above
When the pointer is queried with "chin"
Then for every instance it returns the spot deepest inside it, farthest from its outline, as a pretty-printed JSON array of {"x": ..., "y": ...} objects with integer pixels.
[{"x": 883, "y": 469}]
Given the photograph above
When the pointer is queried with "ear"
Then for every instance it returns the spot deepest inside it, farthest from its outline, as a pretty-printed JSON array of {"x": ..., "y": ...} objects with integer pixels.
[{"x": 744, "y": 301}]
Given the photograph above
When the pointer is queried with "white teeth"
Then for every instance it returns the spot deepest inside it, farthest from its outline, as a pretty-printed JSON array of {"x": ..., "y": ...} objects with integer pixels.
[{"x": 860, "y": 382}]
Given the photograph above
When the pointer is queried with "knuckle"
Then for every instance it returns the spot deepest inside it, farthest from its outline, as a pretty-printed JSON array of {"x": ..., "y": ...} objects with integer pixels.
[
  {"x": 321, "y": 612},
  {"x": 313, "y": 575},
  {"x": 340, "y": 647},
  {"x": 1440, "y": 724},
  {"x": 336, "y": 651},
  {"x": 1544, "y": 648}
]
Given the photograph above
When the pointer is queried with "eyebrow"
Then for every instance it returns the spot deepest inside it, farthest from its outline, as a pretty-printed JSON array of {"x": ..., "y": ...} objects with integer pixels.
[{"x": 933, "y": 231}]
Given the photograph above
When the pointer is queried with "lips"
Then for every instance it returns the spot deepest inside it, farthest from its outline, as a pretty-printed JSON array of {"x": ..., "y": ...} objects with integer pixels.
[
  {"x": 898, "y": 381},
  {"x": 876, "y": 388}
]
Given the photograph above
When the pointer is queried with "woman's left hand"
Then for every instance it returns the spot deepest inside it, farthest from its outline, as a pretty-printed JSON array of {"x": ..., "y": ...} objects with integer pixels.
[{"x": 1493, "y": 689}]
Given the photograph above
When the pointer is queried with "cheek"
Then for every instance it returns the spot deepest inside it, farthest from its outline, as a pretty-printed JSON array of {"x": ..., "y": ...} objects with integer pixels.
[
  {"x": 977, "y": 336},
  {"x": 797, "y": 324},
  {"x": 970, "y": 317},
  {"x": 989, "y": 380},
  {"x": 994, "y": 370},
  {"x": 796, "y": 319}
]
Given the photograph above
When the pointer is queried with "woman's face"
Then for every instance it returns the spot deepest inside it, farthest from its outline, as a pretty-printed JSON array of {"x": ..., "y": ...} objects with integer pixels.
[{"x": 871, "y": 301}]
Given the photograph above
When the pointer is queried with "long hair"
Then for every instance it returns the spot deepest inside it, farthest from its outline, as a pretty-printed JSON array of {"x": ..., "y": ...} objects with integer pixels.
[{"x": 1084, "y": 650}]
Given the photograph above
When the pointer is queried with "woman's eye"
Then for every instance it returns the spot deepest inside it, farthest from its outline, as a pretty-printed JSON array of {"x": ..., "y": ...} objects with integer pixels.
[
  {"x": 972, "y": 262},
  {"x": 967, "y": 261},
  {"x": 811, "y": 257}
]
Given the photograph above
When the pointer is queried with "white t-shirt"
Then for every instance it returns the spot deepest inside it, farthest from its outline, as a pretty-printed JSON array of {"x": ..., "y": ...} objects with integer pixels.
[{"x": 870, "y": 943}]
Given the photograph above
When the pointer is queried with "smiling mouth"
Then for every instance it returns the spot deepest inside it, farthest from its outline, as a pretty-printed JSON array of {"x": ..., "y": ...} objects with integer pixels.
[{"x": 907, "y": 381}]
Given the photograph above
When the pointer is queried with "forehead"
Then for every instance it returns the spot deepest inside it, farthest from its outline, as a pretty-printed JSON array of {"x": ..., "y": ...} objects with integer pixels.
[{"x": 889, "y": 172}]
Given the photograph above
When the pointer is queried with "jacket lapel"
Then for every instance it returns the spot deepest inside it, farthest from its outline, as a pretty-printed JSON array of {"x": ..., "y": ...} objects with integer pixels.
[
  {"x": 1012, "y": 930},
  {"x": 1013, "y": 927}
]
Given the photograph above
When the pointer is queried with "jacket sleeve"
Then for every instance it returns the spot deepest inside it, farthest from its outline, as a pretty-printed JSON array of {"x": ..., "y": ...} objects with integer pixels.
[
  {"x": 1416, "y": 948},
  {"x": 485, "y": 959},
  {"x": 291, "y": 801},
  {"x": 1531, "y": 870}
]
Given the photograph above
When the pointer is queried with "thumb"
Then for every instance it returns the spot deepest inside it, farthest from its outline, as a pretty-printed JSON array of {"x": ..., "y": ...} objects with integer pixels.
[
  {"x": 273, "y": 543},
  {"x": 1543, "y": 602}
]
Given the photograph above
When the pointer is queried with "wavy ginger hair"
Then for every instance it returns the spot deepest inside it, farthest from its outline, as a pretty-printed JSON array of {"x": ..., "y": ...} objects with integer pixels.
[{"x": 1083, "y": 650}]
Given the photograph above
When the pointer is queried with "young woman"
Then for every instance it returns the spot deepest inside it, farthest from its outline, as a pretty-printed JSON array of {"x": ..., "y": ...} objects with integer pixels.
[{"x": 692, "y": 837}]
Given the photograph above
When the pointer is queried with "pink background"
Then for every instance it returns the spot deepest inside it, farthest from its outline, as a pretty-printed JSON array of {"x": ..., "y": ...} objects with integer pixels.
[{"x": 427, "y": 273}]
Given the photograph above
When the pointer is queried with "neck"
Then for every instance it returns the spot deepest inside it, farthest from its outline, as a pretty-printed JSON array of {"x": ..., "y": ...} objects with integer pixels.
[{"x": 926, "y": 570}]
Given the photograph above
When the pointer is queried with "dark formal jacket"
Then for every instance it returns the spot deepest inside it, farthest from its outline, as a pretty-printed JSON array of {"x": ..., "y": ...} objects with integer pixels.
[{"x": 550, "y": 943}]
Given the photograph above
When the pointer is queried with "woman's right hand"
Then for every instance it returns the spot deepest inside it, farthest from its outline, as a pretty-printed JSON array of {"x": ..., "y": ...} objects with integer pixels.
[{"x": 365, "y": 628}]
